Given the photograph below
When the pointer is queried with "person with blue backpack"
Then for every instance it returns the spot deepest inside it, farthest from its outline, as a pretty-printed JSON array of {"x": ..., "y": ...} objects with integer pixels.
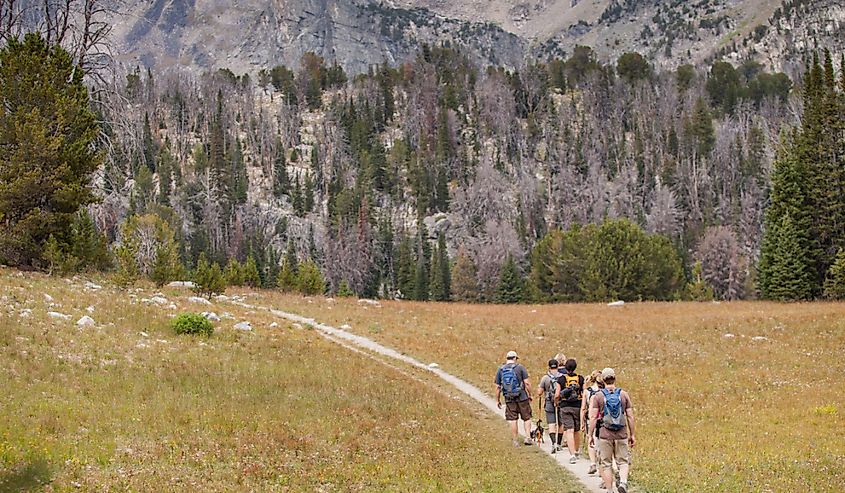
[
  {"x": 512, "y": 384},
  {"x": 612, "y": 412}
]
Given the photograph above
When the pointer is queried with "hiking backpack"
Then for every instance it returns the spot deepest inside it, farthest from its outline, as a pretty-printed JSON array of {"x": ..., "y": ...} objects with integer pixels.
[
  {"x": 511, "y": 382},
  {"x": 550, "y": 392},
  {"x": 566, "y": 380},
  {"x": 613, "y": 416}
]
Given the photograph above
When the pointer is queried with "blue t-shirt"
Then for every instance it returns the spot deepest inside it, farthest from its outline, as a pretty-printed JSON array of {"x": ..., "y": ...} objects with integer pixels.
[{"x": 521, "y": 374}]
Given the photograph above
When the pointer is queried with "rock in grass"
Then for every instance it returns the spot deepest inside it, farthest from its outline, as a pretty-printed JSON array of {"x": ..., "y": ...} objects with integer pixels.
[
  {"x": 728, "y": 336},
  {"x": 159, "y": 300},
  {"x": 95, "y": 287},
  {"x": 197, "y": 299},
  {"x": 48, "y": 298},
  {"x": 617, "y": 303},
  {"x": 369, "y": 302},
  {"x": 433, "y": 365},
  {"x": 274, "y": 325},
  {"x": 25, "y": 313},
  {"x": 90, "y": 309},
  {"x": 346, "y": 327},
  {"x": 211, "y": 316},
  {"x": 243, "y": 326},
  {"x": 85, "y": 321},
  {"x": 181, "y": 284},
  {"x": 58, "y": 316}
]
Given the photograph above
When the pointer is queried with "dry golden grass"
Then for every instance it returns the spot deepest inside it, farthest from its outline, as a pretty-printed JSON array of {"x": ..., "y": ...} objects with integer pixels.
[
  {"x": 107, "y": 408},
  {"x": 760, "y": 411}
]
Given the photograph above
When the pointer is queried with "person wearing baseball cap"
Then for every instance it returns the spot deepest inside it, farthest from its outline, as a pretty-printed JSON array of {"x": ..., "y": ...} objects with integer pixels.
[
  {"x": 512, "y": 383},
  {"x": 612, "y": 411},
  {"x": 549, "y": 391}
]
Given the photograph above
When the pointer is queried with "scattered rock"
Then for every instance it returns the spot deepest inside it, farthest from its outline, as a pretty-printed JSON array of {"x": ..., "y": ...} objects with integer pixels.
[
  {"x": 227, "y": 316},
  {"x": 162, "y": 341},
  {"x": 221, "y": 298},
  {"x": 197, "y": 299},
  {"x": 297, "y": 326},
  {"x": 85, "y": 321},
  {"x": 48, "y": 298},
  {"x": 57, "y": 315},
  {"x": 433, "y": 365},
  {"x": 617, "y": 303},
  {"x": 759, "y": 338},
  {"x": 211, "y": 316},
  {"x": 90, "y": 309},
  {"x": 329, "y": 300},
  {"x": 369, "y": 302},
  {"x": 181, "y": 284},
  {"x": 274, "y": 325},
  {"x": 728, "y": 336},
  {"x": 346, "y": 327},
  {"x": 172, "y": 306},
  {"x": 141, "y": 345},
  {"x": 159, "y": 300},
  {"x": 143, "y": 334},
  {"x": 91, "y": 285},
  {"x": 243, "y": 326},
  {"x": 25, "y": 313}
]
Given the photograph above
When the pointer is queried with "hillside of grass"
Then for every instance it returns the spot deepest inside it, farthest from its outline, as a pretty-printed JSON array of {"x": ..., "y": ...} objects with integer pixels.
[
  {"x": 729, "y": 397},
  {"x": 126, "y": 405}
]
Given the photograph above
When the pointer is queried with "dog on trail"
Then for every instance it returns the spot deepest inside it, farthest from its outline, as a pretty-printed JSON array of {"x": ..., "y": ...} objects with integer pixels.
[{"x": 537, "y": 433}]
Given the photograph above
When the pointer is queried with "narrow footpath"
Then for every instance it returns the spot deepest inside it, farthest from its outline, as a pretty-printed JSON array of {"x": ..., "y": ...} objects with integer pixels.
[{"x": 348, "y": 339}]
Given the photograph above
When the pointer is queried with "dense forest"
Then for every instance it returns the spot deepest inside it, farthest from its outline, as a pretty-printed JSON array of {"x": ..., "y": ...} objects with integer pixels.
[{"x": 566, "y": 180}]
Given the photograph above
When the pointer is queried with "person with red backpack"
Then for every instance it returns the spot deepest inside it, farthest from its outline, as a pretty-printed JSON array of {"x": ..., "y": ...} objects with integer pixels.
[
  {"x": 512, "y": 384},
  {"x": 611, "y": 410}
]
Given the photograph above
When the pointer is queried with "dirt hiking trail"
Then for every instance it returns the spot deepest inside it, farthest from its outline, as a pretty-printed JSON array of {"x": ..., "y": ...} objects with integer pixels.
[{"x": 352, "y": 341}]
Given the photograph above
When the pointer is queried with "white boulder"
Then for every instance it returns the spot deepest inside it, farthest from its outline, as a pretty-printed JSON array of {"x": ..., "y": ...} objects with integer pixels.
[
  {"x": 85, "y": 321},
  {"x": 92, "y": 286},
  {"x": 617, "y": 303},
  {"x": 243, "y": 326},
  {"x": 433, "y": 365},
  {"x": 211, "y": 316},
  {"x": 25, "y": 313},
  {"x": 58, "y": 316},
  {"x": 181, "y": 284},
  {"x": 90, "y": 309},
  {"x": 159, "y": 300},
  {"x": 48, "y": 298},
  {"x": 274, "y": 325},
  {"x": 199, "y": 300}
]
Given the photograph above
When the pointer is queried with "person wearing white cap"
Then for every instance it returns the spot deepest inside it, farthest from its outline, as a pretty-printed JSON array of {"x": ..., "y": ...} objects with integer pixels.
[
  {"x": 612, "y": 411},
  {"x": 512, "y": 384}
]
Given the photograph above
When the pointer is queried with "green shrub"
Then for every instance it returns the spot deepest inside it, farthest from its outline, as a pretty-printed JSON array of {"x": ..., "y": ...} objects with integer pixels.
[{"x": 192, "y": 323}]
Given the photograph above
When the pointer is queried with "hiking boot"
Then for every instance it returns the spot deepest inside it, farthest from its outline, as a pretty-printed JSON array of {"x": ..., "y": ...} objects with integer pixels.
[
  {"x": 554, "y": 449},
  {"x": 573, "y": 459},
  {"x": 593, "y": 469},
  {"x": 528, "y": 441},
  {"x": 622, "y": 488}
]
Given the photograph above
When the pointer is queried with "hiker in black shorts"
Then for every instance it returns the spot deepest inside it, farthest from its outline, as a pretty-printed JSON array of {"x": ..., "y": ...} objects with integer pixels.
[
  {"x": 572, "y": 387},
  {"x": 512, "y": 384}
]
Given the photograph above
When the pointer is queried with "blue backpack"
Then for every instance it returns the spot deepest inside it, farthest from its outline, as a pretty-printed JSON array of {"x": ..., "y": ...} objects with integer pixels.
[
  {"x": 613, "y": 418},
  {"x": 511, "y": 382}
]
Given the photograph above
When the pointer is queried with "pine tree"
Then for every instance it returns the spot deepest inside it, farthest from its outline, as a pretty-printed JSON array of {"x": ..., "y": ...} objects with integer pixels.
[
  {"x": 406, "y": 271},
  {"x": 47, "y": 135},
  {"x": 344, "y": 291},
  {"x": 441, "y": 281},
  {"x": 308, "y": 192},
  {"x": 234, "y": 273},
  {"x": 88, "y": 245},
  {"x": 310, "y": 281},
  {"x": 271, "y": 269},
  {"x": 287, "y": 280},
  {"x": 240, "y": 182},
  {"x": 464, "y": 278},
  {"x": 511, "y": 286},
  {"x": 208, "y": 278},
  {"x": 421, "y": 288},
  {"x": 149, "y": 148},
  {"x": 281, "y": 181},
  {"x": 296, "y": 198},
  {"x": 788, "y": 275},
  {"x": 698, "y": 289},
  {"x": 834, "y": 285},
  {"x": 251, "y": 277},
  {"x": 125, "y": 252},
  {"x": 166, "y": 267}
]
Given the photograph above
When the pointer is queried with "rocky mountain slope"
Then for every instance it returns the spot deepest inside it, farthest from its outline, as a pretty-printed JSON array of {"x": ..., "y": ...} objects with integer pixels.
[{"x": 247, "y": 35}]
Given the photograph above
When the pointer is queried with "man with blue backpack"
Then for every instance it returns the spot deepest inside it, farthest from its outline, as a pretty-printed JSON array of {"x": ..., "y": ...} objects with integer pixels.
[
  {"x": 512, "y": 384},
  {"x": 611, "y": 411}
]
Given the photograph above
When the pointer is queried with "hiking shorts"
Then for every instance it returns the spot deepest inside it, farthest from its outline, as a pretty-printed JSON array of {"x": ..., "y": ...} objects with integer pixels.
[
  {"x": 516, "y": 410},
  {"x": 570, "y": 418},
  {"x": 612, "y": 449},
  {"x": 551, "y": 417}
]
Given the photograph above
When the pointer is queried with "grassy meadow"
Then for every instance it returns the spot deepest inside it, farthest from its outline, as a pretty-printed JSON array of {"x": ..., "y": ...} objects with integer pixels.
[
  {"x": 729, "y": 397},
  {"x": 125, "y": 405}
]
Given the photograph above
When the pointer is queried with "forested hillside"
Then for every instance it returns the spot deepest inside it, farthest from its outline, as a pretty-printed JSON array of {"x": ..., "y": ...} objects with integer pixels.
[{"x": 355, "y": 173}]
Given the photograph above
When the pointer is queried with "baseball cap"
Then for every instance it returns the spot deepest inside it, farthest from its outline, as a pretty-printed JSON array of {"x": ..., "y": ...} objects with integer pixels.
[
  {"x": 512, "y": 355},
  {"x": 608, "y": 373},
  {"x": 553, "y": 363}
]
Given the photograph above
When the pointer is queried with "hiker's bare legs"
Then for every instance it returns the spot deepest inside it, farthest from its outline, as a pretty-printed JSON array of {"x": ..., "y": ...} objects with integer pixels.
[
  {"x": 623, "y": 472},
  {"x": 527, "y": 426},
  {"x": 607, "y": 477},
  {"x": 571, "y": 441},
  {"x": 577, "y": 436},
  {"x": 515, "y": 429},
  {"x": 592, "y": 452}
]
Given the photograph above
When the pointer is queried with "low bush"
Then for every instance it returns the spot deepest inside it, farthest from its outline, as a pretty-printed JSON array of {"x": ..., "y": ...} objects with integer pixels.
[{"x": 192, "y": 323}]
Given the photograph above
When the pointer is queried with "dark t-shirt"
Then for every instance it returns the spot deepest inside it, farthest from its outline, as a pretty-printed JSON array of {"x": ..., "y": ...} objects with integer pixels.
[
  {"x": 521, "y": 374},
  {"x": 605, "y": 434},
  {"x": 575, "y": 398}
]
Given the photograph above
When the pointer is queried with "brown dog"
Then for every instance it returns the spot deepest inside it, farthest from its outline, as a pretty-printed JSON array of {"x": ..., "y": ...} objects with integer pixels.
[{"x": 537, "y": 433}]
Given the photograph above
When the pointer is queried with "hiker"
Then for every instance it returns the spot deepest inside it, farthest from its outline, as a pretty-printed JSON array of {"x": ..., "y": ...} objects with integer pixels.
[
  {"x": 611, "y": 409},
  {"x": 549, "y": 391},
  {"x": 593, "y": 385},
  {"x": 571, "y": 388},
  {"x": 512, "y": 384}
]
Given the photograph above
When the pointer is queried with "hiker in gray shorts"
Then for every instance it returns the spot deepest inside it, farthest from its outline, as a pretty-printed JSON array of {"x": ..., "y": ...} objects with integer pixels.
[{"x": 549, "y": 393}]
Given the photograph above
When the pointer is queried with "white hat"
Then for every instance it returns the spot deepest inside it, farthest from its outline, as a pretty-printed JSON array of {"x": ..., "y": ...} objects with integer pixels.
[
  {"x": 608, "y": 373},
  {"x": 512, "y": 355}
]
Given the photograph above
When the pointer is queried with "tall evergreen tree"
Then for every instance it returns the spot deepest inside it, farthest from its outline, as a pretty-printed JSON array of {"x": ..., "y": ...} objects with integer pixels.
[
  {"x": 464, "y": 278},
  {"x": 406, "y": 271},
  {"x": 421, "y": 286},
  {"x": 441, "y": 279},
  {"x": 47, "y": 135},
  {"x": 834, "y": 285},
  {"x": 281, "y": 181},
  {"x": 788, "y": 275},
  {"x": 511, "y": 286}
]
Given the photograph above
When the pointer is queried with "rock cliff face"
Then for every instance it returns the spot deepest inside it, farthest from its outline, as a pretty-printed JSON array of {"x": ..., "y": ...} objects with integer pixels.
[{"x": 247, "y": 35}]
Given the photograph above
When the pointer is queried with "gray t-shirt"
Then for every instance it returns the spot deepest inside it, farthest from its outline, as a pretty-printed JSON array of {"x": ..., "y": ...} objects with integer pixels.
[
  {"x": 521, "y": 374},
  {"x": 548, "y": 382}
]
